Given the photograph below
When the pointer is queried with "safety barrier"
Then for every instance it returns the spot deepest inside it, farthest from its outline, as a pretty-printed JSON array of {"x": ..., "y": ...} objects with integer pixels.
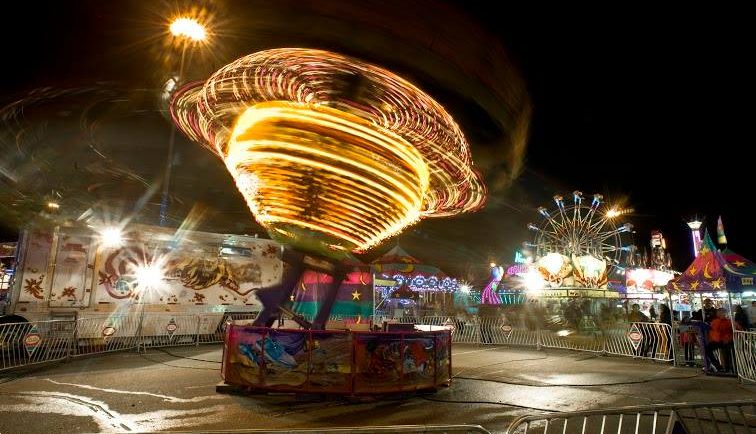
[
  {"x": 745, "y": 355},
  {"x": 25, "y": 344},
  {"x": 638, "y": 340},
  {"x": 103, "y": 334},
  {"x": 723, "y": 417},
  {"x": 641, "y": 339},
  {"x": 387, "y": 429},
  {"x": 30, "y": 343}
]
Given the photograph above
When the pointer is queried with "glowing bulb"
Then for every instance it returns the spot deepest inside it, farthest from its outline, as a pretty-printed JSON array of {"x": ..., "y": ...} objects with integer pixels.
[
  {"x": 189, "y": 28},
  {"x": 465, "y": 288},
  {"x": 111, "y": 237},
  {"x": 148, "y": 276},
  {"x": 533, "y": 281},
  {"x": 612, "y": 213},
  {"x": 492, "y": 264},
  {"x": 53, "y": 205}
]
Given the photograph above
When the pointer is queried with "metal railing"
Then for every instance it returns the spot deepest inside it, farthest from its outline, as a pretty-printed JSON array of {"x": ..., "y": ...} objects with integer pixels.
[
  {"x": 723, "y": 417},
  {"x": 645, "y": 340},
  {"x": 745, "y": 355},
  {"x": 31, "y": 343},
  {"x": 25, "y": 344},
  {"x": 408, "y": 429}
]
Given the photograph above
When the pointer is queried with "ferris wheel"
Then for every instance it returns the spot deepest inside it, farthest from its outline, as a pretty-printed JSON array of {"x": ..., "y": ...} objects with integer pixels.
[{"x": 583, "y": 227}]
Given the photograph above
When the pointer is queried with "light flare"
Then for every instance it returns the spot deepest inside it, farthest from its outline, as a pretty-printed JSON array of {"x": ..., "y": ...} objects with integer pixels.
[
  {"x": 328, "y": 148},
  {"x": 188, "y": 28}
]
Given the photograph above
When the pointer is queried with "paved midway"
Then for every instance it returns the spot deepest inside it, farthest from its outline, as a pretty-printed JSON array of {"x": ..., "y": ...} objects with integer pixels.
[{"x": 174, "y": 389}]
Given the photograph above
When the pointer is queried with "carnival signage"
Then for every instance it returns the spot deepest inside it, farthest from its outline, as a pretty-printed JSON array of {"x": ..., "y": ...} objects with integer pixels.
[
  {"x": 108, "y": 332},
  {"x": 171, "y": 327},
  {"x": 506, "y": 329},
  {"x": 32, "y": 339},
  {"x": 634, "y": 336}
]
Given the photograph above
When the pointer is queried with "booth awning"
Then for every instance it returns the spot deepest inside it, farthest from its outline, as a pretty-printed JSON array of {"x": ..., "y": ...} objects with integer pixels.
[{"x": 714, "y": 271}]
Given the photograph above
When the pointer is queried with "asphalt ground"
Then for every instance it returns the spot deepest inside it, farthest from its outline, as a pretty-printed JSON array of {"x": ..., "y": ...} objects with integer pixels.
[{"x": 175, "y": 389}]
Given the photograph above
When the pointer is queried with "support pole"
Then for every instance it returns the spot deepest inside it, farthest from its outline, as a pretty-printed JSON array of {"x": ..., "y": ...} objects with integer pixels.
[{"x": 274, "y": 297}]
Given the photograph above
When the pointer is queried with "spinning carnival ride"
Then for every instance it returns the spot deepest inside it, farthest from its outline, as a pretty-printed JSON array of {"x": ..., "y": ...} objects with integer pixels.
[
  {"x": 576, "y": 244},
  {"x": 332, "y": 155}
]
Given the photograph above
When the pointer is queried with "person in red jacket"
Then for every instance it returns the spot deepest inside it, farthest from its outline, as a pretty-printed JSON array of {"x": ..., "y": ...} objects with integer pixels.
[{"x": 720, "y": 338}]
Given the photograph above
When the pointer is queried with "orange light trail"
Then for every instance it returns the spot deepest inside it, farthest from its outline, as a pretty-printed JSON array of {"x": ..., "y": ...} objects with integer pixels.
[{"x": 328, "y": 147}]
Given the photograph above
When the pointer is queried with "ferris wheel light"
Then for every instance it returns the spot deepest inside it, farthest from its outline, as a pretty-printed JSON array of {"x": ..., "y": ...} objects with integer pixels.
[{"x": 579, "y": 229}]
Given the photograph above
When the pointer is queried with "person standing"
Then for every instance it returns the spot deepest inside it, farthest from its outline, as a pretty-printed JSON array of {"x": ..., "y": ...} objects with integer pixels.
[
  {"x": 720, "y": 338},
  {"x": 741, "y": 319},
  {"x": 665, "y": 332},
  {"x": 752, "y": 313}
]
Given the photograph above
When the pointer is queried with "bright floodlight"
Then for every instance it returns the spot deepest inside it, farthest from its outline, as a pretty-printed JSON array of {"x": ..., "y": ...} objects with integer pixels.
[
  {"x": 148, "y": 276},
  {"x": 612, "y": 213},
  {"x": 465, "y": 288},
  {"x": 188, "y": 28},
  {"x": 533, "y": 281},
  {"x": 53, "y": 205},
  {"x": 111, "y": 237}
]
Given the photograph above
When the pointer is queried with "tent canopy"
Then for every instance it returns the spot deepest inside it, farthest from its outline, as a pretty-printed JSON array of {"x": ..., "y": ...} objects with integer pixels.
[
  {"x": 713, "y": 271},
  {"x": 405, "y": 269},
  {"x": 398, "y": 261}
]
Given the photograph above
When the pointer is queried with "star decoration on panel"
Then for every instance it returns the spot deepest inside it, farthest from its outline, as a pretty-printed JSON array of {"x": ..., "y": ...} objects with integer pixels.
[{"x": 356, "y": 295}]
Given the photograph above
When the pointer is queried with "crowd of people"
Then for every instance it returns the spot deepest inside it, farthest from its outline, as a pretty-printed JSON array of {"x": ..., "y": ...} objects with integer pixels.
[
  {"x": 707, "y": 332},
  {"x": 711, "y": 329}
]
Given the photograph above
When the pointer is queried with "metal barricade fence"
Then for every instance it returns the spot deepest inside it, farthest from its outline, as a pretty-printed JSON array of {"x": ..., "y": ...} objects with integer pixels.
[
  {"x": 24, "y": 344},
  {"x": 212, "y": 326},
  {"x": 647, "y": 340},
  {"x": 723, "y": 417},
  {"x": 499, "y": 331},
  {"x": 387, "y": 429},
  {"x": 745, "y": 355},
  {"x": 167, "y": 330},
  {"x": 465, "y": 331},
  {"x": 107, "y": 333}
]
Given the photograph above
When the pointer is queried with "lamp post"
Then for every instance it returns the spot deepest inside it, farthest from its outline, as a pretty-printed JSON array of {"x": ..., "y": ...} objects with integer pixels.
[
  {"x": 695, "y": 230},
  {"x": 188, "y": 30}
]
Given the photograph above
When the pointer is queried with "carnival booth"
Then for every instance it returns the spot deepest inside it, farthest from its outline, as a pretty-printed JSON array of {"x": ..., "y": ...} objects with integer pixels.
[
  {"x": 715, "y": 279},
  {"x": 407, "y": 287},
  {"x": 724, "y": 277},
  {"x": 647, "y": 287}
]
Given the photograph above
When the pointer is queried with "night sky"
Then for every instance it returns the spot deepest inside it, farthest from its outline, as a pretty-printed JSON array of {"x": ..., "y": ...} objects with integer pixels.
[{"x": 650, "y": 108}]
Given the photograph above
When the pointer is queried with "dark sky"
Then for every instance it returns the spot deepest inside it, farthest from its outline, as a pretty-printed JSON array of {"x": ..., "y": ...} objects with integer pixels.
[{"x": 647, "y": 106}]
